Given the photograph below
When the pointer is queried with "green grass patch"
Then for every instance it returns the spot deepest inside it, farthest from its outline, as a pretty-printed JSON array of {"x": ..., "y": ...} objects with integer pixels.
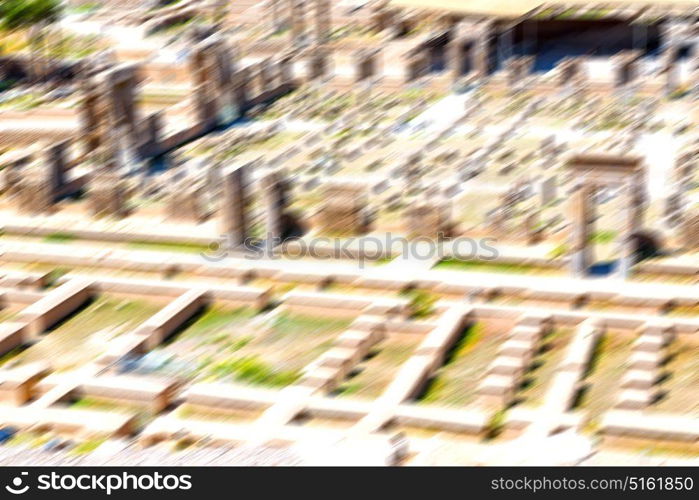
[
  {"x": 85, "y": 8},
  {"x": 254, "y": 370},
  {"x": 558, "y": 251},
  {"x": 291, "y": 324},
  {"x": 439, "y": 387},
  {"x": 60, "y": 237},
  {"x": 487, "y": 266},
  {"x": 603, "y": 237},
  {"x": 169, "y": 247},
  {"x": 210, "y": 323},
  {"x": 422, "y": 302},
  {"x": 87, "y": 446}
]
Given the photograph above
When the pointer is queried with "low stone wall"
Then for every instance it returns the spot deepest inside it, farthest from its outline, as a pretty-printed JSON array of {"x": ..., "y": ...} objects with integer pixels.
[
  {"x": 55, "y": 305},
  {"x": 71, "y": 421},
  {"x": 230, "y": 396},
  {"x": 24, "y": 280},
  {"x": 234, "y": 295},
  {"x": 464, "y": 421},
  {"x": 438, "y": 342},
  {"x": 348, "y": 349},
  {"x": 155, "y": 393},
  {"x": 163, "y": 323},
  {"x": 14, "y": 297},
  {"x": 341, "y": 305},
  {"x": 654, "y": 426},
  {"x": 581, "y": 347},
  {"x": 17, "y": 383},
  {"x": 12, "y": 335},
  {"x": 99, "y": 235}
]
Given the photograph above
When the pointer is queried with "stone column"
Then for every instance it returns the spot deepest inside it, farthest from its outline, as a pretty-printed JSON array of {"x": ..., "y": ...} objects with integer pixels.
[
  {"x": 275, "y": 200},
  {"x": 152, "y": 132},
  {"x": 234, "y": 223},
  {"x": 285, "y": 69},
  {"x": 532, "y": 228},
  {"x": 204, "y": 88},
  {"x": 512, "y": 67},
  {"x": 298, "y": 24},
  {"x": 240, "y": 89},
  {"x": 694, "y": 66},
  {"x": 57, "y": 167},
  {"x": 670, "y": 68},
  {"x": 119, "y": 87},
  {"x": 265, "y": 78},
  {"x": 89, "y": 116},
  {"x": 570, "y": 73},
  {"x": 318, "y": 66},
  {"x": 382, "y": 16},
  {"x": 274, "y": 14},
  {"x": 689, "y": 232},
  {"x": 223, "y": 60},
  {"x": 481, "y": 55},
  {"x": 459, "y": 53},
  {"x": 626, "y": 69},
  {"x": 107, "y": 195},
  {"x": 323, "y": 20},
  {"x": 365, "y": 64},
  {"x": 632, "y": 220},
  {"x": 415, "y": 66},
  {"x": 581, "y": 214}
]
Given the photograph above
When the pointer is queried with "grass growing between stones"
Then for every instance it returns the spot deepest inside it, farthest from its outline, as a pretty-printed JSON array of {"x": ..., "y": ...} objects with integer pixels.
[
  {"x": 196, "y": 412},
  {"x": 450, "y": 264},
  {"x": 235, "y": 344},
  {"x": 207, "y": 328},
  {"x": 59, "y": 238},
  {"x": 87, "y": 446},
  {"x": 277, "y": 356},
  {"x": 602, "y": 383},
  {"x": 371, "y": 377},
  {"x": 169, "y": 247},
  {"x": 100, "y": 404},
  {"x": 545, "y": 363},
  {"x": 680, "y": 389},
  {"x": 454, "y": 384},
  {"x": 84, "y": 335}
]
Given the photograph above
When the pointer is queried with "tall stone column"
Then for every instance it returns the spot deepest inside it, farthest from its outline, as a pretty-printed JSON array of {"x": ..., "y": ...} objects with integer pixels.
[
  {"x": 323, "y": 20},
  {"x": 365, "y": 64},
  {"x": 581, "y": 214},
  {"x": 90, "y": 116},
  {"x": 482, "y": 53},
  {"x": 234, "y": 223},
  {"x": 56, "y": 161},
  {"x": 265, "y": 76},
  {"x": 152, "y": 132},
  {"x": 241, "y": 89},
  {"x": 275, "y": 15},
  {"x": 671, "y": 69},
  {"x": 275, "y": 201},
  {"x": 694, "y": 66},
  {"x": 318, "y": 64},
  {"x": 297, "y": 21},
  {"x": 285, "y": 69},
  {"x": 382, "y": 16},
  {"x": 458, "y": 53},
  {"x": 631, "y": 223},
  {"x": 415, "y": 66}
]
